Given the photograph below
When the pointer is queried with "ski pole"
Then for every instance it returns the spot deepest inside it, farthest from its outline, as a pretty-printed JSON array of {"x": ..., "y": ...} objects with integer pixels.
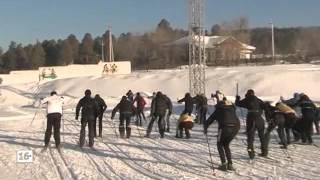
[
  {"x": 114, "y": 127},
  {"x": 35, "y": 114},
  {"x": 211, "y": 161}
]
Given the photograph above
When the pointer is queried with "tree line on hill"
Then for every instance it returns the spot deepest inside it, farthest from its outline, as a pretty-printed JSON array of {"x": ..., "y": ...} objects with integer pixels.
[{"x": 150, "y": 50}]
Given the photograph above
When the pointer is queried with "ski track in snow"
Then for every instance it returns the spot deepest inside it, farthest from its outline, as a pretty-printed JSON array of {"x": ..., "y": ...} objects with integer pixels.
[{"x": 149, "y": 158}]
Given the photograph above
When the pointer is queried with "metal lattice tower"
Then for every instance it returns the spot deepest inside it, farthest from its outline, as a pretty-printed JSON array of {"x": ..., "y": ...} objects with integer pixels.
[{"x": 197, "y": 57}]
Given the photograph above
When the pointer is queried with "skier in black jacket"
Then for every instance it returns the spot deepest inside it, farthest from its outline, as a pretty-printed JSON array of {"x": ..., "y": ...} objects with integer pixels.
[
  {"x": 254, "y": 120},
  {"x": 202, "y": 107},
  {"x": 228, "y": 127},
  {"x": 126, "y": 109},
  {"x": 188, "y": 104},
  {"x": 102, "y": 107},
  {"x": 161, "y": 104},
  {"x": 89, "y": 110},
  {"x": 308, "y": 110}
]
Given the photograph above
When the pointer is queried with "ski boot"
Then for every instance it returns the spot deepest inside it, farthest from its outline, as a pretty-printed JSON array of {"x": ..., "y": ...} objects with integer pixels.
[
  {"x": 45, "y": 148},
  {"x": 251, "y": 153},
  {"x": 223, "y": 167},
  {"x": 230, "y": 167},
  {"x": 128, "y": 129},
  {"x": 187, "y": 133},
  {"x": 121, "y": 130}
]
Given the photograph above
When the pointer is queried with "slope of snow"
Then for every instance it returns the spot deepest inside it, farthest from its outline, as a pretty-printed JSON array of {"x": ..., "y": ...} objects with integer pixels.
[{"x": 22, "y": 126}]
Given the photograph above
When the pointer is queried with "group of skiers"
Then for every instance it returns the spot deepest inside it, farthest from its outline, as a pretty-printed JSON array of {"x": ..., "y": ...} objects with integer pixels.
[{"x": 283, "y": 115}]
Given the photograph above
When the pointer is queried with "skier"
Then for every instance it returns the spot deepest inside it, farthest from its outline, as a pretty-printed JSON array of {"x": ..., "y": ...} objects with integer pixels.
[
  {"x": 290, "y": 118},
  {"x": 140, "y": 107},
  {"x": 308, "y": 110},
  {"x": 202, "y": 107},
  {"x": 254, "y": 120},
  {"x": 293, "y": 103},
  {"x": 185, "y": 122},
  {"x": 283, "y": 117},
  {"x": 152, "y": 103},
  {"x": 228, "y": 127},
  {"x": 54, "y": 113},
  {"x": 188, "y": 104},
  {"x": 126, "y": 109},
  {"x": 168, "y": 114},
  {"x": 102, "y": 107},
  {"x": 130, "y": 96},
  {"x": 89, "y": 111},
  {"x": 159, "y": 110},
  {"x": 218, "y": 96}
]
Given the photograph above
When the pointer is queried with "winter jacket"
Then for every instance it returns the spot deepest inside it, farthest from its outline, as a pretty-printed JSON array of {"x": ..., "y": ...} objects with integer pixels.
[
  {"x": 140, "y": 102},
  {"x": 188, "y": 106},
  {"x": 185, "y": 118},
  {"x": 252, "y": 103},
  {"x": 101, "y": 103},
  {"x": 169, "y": 104},
  {"x": 125, "y": 107},
  {"x": 225, "y": 114},
  {"x": 308, "y": 109},
  {"x": 89, "y": 108},
  {"x": 54, "y": 104},
  {"x": 161, "y": 104},
  {"x": 200, "y": 101},
  {"x": 282, "y": 107}
]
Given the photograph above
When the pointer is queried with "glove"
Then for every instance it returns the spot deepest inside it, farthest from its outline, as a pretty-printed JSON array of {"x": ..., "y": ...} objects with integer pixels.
[{"x": 238, "y": 97}]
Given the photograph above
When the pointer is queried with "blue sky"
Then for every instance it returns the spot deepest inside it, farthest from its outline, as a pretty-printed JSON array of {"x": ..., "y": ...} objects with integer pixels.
[{"x": 25, "y": 21}]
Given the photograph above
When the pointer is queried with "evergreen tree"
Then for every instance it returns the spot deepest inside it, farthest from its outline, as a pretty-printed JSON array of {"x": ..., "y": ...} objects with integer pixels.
[
  {"x": 74, "y": 44},
  {"x": 21, "y": 58},
  {"x": 10, "y": 58},
  {"x": 65, "y": 53},
  {"x": 86, "y": 53},
  {"x": 38, "y": 56},
  {"x": 51, "y": 51}
]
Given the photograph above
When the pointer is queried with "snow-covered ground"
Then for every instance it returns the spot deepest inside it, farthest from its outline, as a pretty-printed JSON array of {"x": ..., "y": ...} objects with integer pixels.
[{"x": 154, "y": 158}]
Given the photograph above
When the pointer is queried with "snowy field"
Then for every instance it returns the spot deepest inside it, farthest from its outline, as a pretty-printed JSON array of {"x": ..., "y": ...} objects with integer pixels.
[{"x": 151, "y": 158}]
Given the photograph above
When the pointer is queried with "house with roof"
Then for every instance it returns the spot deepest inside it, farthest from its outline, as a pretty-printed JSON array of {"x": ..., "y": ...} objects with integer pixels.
[{"x": 222, "y": 49}]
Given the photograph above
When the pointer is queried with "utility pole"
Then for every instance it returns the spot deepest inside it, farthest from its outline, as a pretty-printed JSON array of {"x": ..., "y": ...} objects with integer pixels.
[
  {"x": 197, "y": 56},
  {"x": 111, "y": 56},
  {"x": 272, "y": 42},
  {"x": 102, "y": 50}
]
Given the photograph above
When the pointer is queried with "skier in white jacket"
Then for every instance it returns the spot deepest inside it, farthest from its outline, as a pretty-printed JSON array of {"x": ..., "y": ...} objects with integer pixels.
[{"x": 54, "y": 113}]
